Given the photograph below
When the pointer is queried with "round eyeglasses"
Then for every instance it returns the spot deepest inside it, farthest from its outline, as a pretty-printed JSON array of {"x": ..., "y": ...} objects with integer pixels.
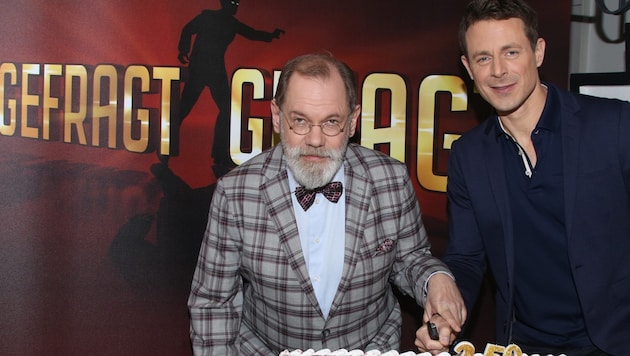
[{"x": 302, "y": 127}]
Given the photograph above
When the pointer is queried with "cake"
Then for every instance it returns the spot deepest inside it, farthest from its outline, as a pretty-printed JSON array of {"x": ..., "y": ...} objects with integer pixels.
[
  {"x": 344, "y": 352},
  {"x": 463, "y": 348}
]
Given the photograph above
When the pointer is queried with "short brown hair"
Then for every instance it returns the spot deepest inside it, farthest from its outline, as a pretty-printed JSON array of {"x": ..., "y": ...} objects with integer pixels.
[
  {"x": 317, "y": 65},
  {"x": 479, "y": 10}
]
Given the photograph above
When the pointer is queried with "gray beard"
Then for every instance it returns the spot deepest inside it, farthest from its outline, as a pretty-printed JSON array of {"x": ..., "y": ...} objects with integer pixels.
[{"x": 313, "y": 175}]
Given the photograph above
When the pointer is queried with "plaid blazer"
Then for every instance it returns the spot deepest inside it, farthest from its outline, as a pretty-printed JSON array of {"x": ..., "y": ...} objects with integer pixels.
[{"x": 251, "y": 294}]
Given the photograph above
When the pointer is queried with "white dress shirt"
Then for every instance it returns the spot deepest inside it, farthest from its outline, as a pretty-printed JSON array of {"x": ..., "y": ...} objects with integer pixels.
[{"x": 322, "y": 233}]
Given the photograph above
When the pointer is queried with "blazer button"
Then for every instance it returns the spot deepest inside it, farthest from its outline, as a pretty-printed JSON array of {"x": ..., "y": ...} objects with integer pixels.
[{"x": 325, "y": 333}]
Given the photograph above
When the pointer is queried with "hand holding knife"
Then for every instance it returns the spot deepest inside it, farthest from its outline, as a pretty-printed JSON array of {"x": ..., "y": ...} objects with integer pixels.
[{"x": 433, "y": 331}]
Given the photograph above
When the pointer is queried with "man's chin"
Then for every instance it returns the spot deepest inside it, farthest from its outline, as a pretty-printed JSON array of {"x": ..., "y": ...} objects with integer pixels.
[
  {"x": 322, "y": 165},
  {"x": 313, "y": 176}
]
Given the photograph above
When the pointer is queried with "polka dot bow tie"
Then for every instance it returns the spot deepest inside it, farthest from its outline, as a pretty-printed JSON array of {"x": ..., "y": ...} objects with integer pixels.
[{"x": 332, "y": 191}]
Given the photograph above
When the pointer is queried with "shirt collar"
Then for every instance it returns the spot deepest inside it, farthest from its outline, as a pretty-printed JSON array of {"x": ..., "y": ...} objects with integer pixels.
[{"x": 549, "y": 119}]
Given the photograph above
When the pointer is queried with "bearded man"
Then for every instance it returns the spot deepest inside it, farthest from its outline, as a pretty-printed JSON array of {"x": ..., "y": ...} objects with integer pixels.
[{"x": 304, "y": 240}]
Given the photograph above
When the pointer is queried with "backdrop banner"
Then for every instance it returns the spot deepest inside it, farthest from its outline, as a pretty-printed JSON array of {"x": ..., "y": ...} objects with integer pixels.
[{"x": 117, "y": 117}]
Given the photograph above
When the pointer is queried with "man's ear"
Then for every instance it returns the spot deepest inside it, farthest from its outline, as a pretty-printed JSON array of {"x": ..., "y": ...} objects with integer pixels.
[
  {"x": 464, "y": 60},
  {"x": 354, "y": 118},
  {"x": 275, "y": 116},
  {"x": 541, "y": 45}
]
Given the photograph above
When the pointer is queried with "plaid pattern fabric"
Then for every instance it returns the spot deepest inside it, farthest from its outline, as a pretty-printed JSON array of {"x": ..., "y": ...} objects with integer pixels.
[
  {"x": 251, "y": 293},
  {"x": 306, "y": 197}
]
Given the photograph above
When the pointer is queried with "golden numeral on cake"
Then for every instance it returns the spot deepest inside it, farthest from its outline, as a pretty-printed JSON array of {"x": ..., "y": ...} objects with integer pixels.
[
  {"x": 513, "y": 350},
  {"x": 466, "y": 348}
]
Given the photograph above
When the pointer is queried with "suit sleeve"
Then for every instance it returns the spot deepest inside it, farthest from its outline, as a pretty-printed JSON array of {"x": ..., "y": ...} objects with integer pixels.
[
  {"x": 215, "y": 301},
  {"x": 464, "y": 253},
  {"x": 414, "y": 262}
]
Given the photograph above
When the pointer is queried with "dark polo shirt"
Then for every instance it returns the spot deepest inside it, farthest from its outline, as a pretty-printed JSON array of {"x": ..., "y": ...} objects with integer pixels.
[{"x": 547, "y": 309}]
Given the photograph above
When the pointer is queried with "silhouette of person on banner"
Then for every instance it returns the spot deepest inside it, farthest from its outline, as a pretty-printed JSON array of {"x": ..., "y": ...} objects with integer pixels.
[{"x": 214, "y": 31}]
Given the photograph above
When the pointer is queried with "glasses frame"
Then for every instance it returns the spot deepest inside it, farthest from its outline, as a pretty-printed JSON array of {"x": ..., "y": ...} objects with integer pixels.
[{"x": 342, "y": 127}]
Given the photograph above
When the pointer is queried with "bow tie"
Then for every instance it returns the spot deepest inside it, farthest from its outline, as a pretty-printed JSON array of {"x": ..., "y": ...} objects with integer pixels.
[{"x": 332, "y": 191}]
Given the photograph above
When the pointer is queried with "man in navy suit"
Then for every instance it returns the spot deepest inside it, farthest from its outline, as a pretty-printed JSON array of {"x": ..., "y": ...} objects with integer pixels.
[{"x": 540, "y": 194}]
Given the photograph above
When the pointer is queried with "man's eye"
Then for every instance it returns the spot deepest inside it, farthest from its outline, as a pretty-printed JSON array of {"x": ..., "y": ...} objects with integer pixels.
[
  {"x": 332, "y": 122},
  {"x": 299, "y": 121}
]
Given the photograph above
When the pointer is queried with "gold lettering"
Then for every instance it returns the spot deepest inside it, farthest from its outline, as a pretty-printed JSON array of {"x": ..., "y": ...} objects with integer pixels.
[
  {"x": 167, "y": 76},
  {"x": 426, "y": 125},
  {"x": 255, "y": 124},
  {"x": 104, "y": 105},
  {"x": 72, "y": 117},
  {"x": 28, "y": 100},
  {"x": 394, "y": 135},
  {"x": 7, "y": 128},
  {"x": 48, "y": 101},
  {"x": 133, "y": 74},
  {"x": 384, "y": 110}
]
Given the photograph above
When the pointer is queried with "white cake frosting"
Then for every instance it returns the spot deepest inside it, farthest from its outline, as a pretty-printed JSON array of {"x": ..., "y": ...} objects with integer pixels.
[
  {"x": 344, "y": 352},
  {"x": 463, "y": 348}
]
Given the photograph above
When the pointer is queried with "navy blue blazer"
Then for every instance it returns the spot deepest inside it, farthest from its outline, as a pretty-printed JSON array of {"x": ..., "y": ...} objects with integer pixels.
[{"x": 596, "y": 162}]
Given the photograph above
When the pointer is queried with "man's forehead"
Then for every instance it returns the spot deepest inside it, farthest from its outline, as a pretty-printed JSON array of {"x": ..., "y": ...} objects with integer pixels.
[{"x": 484, "y": 31}]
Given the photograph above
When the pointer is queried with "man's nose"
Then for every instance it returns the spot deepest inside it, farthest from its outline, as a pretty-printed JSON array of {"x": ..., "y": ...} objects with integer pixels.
[
  {"x": 499, "y": 67},
  {"x": 316, "y": 136}
]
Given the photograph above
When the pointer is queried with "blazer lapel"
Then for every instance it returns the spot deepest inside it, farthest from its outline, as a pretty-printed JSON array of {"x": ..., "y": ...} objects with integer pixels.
[
  {"x": 496, "y": 176},
  {"x": 277, "y": 197},
  {"x": 357, "y": 199}
]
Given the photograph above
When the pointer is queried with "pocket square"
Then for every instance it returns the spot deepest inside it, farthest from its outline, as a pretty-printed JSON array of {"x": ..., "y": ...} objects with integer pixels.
[{"x": 386, "y": 246}]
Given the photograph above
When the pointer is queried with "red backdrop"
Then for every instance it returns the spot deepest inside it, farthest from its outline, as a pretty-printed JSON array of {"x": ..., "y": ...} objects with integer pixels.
[{"x": 97, "y": 248}]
